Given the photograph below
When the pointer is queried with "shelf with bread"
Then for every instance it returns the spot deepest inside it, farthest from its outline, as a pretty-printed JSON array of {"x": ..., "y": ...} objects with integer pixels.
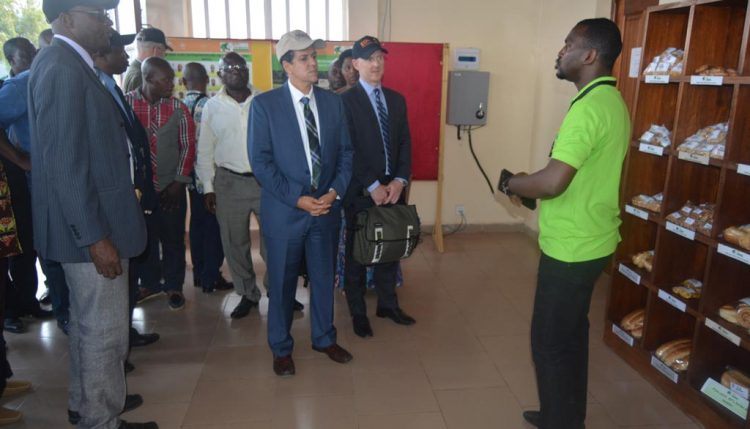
[{"x": 681, "y": 269}]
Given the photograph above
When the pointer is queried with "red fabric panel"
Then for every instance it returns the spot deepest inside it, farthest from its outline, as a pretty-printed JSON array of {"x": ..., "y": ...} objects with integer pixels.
[{"x": 416, "y": 71}]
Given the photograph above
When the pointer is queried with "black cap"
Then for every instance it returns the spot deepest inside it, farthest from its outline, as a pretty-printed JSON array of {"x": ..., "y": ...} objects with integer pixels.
[
  {"x": 152, "y": 34},
  {"x": 116, "y": 39},
  {"x": 366, "y": 46},
  {"x": 53, "y": 8},
  {"x": 346, "y": 54}
]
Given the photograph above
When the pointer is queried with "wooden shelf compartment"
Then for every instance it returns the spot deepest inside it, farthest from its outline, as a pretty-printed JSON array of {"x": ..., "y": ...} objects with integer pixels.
[
  {"x": 638, "y": 235},
  {"x": 667, "y": 27},
  {"x": 738, "y": 145},
  {"x": 716, "y": 35},
  {"x": 665, "y": 323},
  {"x": 711, "y": 356},
  {"x": 657, "y": 104},
  {"x": 689, "y": 181},
  {"x": 676, "y": 260},
  {"x": 700, "y": 107},
  {"x": 722, "y": 287},
  {"x": 735, "y": 202},
  {"x": 625, "y": 297}
]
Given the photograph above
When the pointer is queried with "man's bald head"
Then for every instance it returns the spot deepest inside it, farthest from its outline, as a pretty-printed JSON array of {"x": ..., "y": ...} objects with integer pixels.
[
  {"x": 158, "y": 78},
  {"x": 195, "y": 77},
  {"x": 154, "y": 65}
]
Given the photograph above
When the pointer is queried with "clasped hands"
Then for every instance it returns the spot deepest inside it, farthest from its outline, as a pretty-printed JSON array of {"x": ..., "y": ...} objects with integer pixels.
[
  {"x": 317, "y": 206},
  {"x": 387, "y": 194}
]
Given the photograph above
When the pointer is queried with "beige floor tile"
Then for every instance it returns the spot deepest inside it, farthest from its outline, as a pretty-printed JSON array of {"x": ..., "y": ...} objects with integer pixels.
[
  {"x": 315, "y": 377},
  {"x": 314, "y": 412},
  {"x": 521, "y": 381},
  {"x": 393, "y": 393},
  {"x": 508, "y": 350},
  {"x": 166, "y": 415},
  {"x": 632, "y": 403},
  {"x": 461, "y": 371},
  {"x": 402, "y": 421},
  {"x": 232, "y": 401},
  {"x": 490, "y": 408},
  {"x": 176, "y": 382}
]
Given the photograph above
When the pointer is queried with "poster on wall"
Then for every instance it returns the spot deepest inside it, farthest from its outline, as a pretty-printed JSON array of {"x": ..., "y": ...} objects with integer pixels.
[
  {"x": 326, "y": 58},
  {"x": 179, "y": 60}
]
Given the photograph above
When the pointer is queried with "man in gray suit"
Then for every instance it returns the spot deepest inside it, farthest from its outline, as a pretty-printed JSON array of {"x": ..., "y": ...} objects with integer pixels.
[{"x": 86, "y": 213}]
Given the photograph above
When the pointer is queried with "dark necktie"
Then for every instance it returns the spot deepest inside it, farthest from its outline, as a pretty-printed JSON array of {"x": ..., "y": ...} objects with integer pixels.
[
  {"x": 385, "y": 130},
  {"x": 314, "y": 142}
]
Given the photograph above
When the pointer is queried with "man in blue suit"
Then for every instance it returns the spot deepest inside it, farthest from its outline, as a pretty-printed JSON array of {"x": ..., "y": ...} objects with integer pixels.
[{"x": 301, "y": 154}]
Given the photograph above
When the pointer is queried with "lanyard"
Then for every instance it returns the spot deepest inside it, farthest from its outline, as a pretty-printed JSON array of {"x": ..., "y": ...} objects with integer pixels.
[{"x": 580, "y": 97}]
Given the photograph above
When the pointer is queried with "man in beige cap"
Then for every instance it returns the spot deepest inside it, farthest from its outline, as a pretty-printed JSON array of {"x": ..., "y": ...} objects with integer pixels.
[{"x": 301, "y": 154}]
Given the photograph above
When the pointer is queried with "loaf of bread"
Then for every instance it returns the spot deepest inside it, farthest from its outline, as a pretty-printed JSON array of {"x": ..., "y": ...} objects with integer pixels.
[
  {"x": 657, "y": 135},
  {"x": 736, "y": 381},
  {"x": 737, "y": 313},
  {"x": 738, "y": 235},
  {"x": 709, "y": 141},
  {"x": 670, "y": 62},
  {"x": 689, "y": 289},
  {"x": 644, "y": 260},
  {"x": 652, "y": 203},
  {"x": 709, "y": 70},
  {"x": 633, "y": 320},
  {"x": 675, "y": 354}
]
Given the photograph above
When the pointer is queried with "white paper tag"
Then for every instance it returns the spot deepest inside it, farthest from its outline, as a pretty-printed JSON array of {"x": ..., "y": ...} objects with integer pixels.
[
  {"x": 743, "y": 391},
  {"x": 724, "y": 332},
  {"x": 652, "y": 149},
  {"x": 657, "y": 78},
  {"x": 707, "y": 80},
  {"x": 664, "y": 369},
  {"x": 623, "y": 335},
  {"x": 683, "y": 232},
  {"x": 734, "y": 253},
  {"x": 636, "y": 212},
  {"x": 743, "y": 169},
  {"x": 692, "y": 157},
  {"x": 630, "y": 274},
  {"x": 672, "y": 300},
  {"x": 726, "y": 397},
  {"x": 635, "y": 62}
]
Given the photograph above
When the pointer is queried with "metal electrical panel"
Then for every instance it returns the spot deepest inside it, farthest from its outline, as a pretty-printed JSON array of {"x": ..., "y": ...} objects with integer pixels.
[{"x": 467, "y": 97}]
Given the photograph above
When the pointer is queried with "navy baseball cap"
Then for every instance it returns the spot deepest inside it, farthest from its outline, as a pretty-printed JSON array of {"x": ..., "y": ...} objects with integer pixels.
[
  {"x": 116, "y": 39},
  {"x": 153, "y": 34},
  {"x": 366, "y": 46}
]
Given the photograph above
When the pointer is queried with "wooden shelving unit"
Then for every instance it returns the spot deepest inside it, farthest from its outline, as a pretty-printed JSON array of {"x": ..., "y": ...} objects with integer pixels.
[{"x": 710, "y": 32}]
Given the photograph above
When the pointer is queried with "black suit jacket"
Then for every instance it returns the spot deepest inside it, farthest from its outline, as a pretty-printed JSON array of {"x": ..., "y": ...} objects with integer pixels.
[
  {"x": 364, "y": 129},
  {"x": 143, "y": 178}
]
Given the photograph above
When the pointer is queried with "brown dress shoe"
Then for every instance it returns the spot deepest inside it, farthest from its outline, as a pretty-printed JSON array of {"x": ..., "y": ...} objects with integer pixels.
[
  {"x": 8, "y": 416},
  {"x": 335, "y": 352},
  {"x": 283, "y": 365}
]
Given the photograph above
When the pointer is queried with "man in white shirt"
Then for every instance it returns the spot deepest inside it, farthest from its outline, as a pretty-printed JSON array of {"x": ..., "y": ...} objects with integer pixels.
[{"x": 229, "y": 185}]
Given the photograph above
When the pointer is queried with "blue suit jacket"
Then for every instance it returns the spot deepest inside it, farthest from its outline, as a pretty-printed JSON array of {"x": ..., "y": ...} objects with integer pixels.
[
  {"x": 277, "y": 155},
  {"x": 82, "y": 191}
]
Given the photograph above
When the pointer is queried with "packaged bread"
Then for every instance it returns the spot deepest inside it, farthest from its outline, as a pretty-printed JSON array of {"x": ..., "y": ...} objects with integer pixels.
[
  {"x": 689, "y": 289},
  {"x": 657, "y": 135},
  {"x": 709, "y": 141},
  {"x": 668, "y": 62},
  {"x": 738, "y": 235},
  {"x": 675, "y": 354},
  {"x": 737, "y": 382},
  {"x": 694, "y": 217},
  {"x": 652, "y": 203},
  {"x": 644, "y": 260},
  {"x": 633, "y": 320},
  {"x": 737, "y": 313}
]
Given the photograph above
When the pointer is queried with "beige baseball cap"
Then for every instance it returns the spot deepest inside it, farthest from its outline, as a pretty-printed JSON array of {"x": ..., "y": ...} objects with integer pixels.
[{"x": 296, "y": 40}]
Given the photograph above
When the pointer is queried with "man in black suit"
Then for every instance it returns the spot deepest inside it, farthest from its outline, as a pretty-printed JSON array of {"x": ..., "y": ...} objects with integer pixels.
[{"x": 379, "y": 131}]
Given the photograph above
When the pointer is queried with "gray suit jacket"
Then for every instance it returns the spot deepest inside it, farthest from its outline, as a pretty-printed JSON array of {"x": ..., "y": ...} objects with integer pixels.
[{"x": 81, "y": 186}]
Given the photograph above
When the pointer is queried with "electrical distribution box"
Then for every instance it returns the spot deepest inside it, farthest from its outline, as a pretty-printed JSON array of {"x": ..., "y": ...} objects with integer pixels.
[{"x": 467, "y": 97}]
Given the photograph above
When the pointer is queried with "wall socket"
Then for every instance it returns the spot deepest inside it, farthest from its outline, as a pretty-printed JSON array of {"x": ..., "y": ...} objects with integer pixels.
[{"x": 460, "y": 210}]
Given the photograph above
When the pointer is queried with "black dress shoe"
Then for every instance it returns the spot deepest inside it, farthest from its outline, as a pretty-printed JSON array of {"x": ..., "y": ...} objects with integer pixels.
[
  {"x": 361, "y": 325},
  {"x": 147, "y": 425},
  {"x": 63, "y": 325},
  {"x": 46, "y": 299},
  {"x": 534, "y": 418},
  {"x": 283, "y": 365},
  {"x": 131, "y": 402},
  {"x": 14, "y": 325},
  {"x": 395, "y": 314},
  {"x": 140, "y": 340},
  {"x": 129, "y": 367},
  {"x": 223, "y": 284},
  {"x": 335, "y": 352},
  {"x": 243, "y": 308},
  {"x": 40, "y": 313},
  {"x": 298, "y": 306}
]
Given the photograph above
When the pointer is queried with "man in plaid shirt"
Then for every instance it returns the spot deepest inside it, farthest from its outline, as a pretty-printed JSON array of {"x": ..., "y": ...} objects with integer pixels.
[{"x": 171, "y": 132}]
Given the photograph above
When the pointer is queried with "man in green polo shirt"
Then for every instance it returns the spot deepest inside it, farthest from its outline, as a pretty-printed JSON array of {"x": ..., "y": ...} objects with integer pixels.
[{"x": 578, "y": 220}]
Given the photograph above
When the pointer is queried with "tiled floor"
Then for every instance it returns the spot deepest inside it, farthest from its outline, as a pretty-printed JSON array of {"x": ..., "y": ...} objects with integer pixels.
[{"x": 465, "y": 364}]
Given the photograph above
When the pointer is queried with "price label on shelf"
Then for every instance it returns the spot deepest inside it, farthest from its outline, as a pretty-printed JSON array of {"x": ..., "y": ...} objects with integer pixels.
[
  {"x": 623, "y": 335},
  {"x": 743, "y": 169},
  {"x": 672, "y": 300},
  {"x": 707, "y": 80},
  {"x": 636, "y": 212},
  {"x": 727, "y": 398},
  {"x": 692, "y": 157},
  {"x": 652, "y": 149},
  {"x": 630, "y": 274},
  {"x": 734, "y": 253},
  {"x": 657, "y": 78},
  {"x": 724, "y": 332},
  {"x": 684, "y": 232},
  {"x": 664, "y": 369}
]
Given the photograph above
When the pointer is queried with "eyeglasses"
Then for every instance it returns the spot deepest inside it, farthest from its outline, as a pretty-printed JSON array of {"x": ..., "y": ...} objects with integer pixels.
[
  {"x": 100, "y": 14},
  {"x": 234, "y": 68}
]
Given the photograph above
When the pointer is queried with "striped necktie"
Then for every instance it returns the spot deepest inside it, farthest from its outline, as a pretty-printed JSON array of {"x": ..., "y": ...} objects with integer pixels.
[
  {"x": 385, "y": 130},
  {"x": 314, "y": 142}
]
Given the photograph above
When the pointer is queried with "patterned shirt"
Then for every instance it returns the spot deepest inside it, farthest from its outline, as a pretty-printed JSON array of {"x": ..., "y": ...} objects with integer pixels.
[
  {"x": 169, "y": 126},
  {"x": 195, "y": 100}
]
